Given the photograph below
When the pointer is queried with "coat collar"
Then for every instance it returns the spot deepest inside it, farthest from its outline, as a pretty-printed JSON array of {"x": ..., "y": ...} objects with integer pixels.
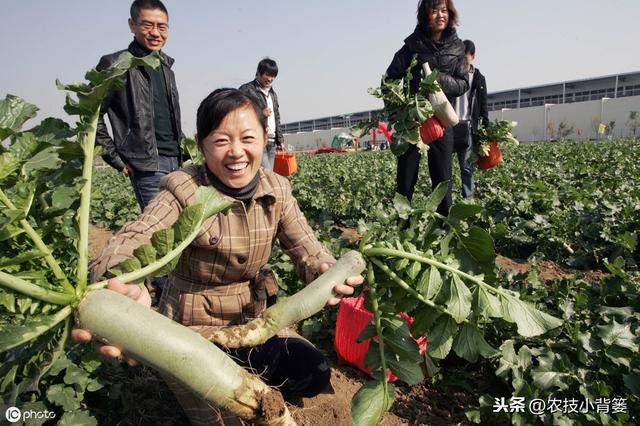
[
  {"x": 258, "y": 86},
  {"x": 265, "y": 187},
  {"x": 138, "y": 51},
  {"x": 420, "y": 40}
]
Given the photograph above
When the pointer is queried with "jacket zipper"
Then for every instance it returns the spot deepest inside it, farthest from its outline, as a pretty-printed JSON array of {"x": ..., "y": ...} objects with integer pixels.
[
  {"x": 153, "y": 120},
  {"x": 176, "y": 126}
]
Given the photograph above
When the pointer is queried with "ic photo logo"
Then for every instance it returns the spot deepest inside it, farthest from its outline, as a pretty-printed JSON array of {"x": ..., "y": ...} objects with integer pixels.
[{"x": 13, "y": 414}]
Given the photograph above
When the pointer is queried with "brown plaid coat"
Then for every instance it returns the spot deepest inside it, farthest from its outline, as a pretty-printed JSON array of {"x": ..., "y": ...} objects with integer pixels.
[{"x": 216, "y": 281}]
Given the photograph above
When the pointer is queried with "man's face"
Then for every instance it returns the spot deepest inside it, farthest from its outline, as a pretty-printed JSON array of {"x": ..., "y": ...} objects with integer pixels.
[
  {"x": 151, "y": 29},
  {"x": 470, "y": 58},
  {"x": 265, "y": 80}
]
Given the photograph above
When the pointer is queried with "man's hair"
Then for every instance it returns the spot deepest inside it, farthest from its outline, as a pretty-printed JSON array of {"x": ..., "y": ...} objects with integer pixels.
[
  {"x": 267, "y": 66},
  {"x": 469, "y": 47},
  {"x": 145, "y": 4},
  {"x": 426, "y": 6},
  {"x": 220, "y": 103}
]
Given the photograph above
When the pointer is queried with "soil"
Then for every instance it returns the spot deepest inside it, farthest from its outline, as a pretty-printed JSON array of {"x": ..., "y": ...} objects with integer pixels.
[
  {"x": 422, "y": 404},
  {"x": 98, "y": 238},
  {"x": 548, "y": 271},
  {"x": 333, "y": 407},
  {"x": 349, "y": 233}
]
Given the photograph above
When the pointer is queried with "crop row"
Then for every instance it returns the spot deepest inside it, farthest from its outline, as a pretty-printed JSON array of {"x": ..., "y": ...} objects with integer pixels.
[
  {"x": 576, "y": 203},
  {"x": 572, "y": 202}
]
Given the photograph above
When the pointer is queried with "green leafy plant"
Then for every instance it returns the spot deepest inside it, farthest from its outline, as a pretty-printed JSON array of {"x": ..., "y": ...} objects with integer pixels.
[
  {"x": 113, "y": 204},
  {"x": 498, "y": 131},
  {"x": 571, "y": 202},
  {"x": 592, "y": 361},
  {"x": 45, "y": 283},
  {"x": 442, "y": 276},
  {"x": 190, "y": 152},
  {"x": 403, "y": 111},
  {"x": 45, "y": 181}
]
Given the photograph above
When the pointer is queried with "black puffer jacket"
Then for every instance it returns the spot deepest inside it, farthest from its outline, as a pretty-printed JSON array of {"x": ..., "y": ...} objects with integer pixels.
[
  {"x": 446, "y": 55},
  {"x": 130, "y": 112}
]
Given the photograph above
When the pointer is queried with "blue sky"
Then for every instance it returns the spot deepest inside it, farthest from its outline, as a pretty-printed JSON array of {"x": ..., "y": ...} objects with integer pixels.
[{"x": 329, "y": 52}]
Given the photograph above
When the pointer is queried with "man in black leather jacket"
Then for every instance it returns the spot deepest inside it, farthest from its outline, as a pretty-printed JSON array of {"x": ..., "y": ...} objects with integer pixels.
[
  {"x": 435, "y": 41},
  {"x": 471, "y": 108},
  {"x": 144, "y": 114}
]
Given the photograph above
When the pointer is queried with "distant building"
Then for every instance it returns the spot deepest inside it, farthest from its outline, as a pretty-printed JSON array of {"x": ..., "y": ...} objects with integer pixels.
[{"x": 566, "y": 110}]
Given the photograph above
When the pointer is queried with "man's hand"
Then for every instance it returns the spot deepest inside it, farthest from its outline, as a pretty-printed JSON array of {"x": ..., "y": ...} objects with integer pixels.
[
  {"x": 267, "y": 111},
  {"x": 139, "y": 294},
  {"x": 127, "y": 171},
  {"x": 341, "y": 290}
]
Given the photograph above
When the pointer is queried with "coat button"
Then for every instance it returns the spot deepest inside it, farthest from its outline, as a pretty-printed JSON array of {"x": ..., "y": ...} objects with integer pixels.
[
  {"x": 213, "y": 240},
  {"x": 241, "y": 259}
]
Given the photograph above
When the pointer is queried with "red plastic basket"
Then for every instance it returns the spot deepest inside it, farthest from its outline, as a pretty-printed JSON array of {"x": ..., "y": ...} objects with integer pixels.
[
  {"x": 493, "y": 159},
  {"x": 285, "y": 164},
  {"x": 431, "y": 130},
  {"x": 352, "y": 319}
]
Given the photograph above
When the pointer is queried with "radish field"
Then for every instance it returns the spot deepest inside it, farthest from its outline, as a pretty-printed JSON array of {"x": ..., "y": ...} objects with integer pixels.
[{"x": 575, "y": 204}]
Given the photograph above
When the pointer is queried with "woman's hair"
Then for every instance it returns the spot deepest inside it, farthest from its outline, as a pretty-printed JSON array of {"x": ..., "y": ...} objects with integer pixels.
[
  {"x": 215, "y": 107},
  {"x": 426, "y": 6}
]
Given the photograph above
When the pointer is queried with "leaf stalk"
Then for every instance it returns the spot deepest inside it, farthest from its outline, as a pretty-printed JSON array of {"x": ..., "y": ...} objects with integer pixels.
[
  {"x": 40, "y": 245},
  {"x": 88, "y": 146},
  {"x": 35, "y": 291}
]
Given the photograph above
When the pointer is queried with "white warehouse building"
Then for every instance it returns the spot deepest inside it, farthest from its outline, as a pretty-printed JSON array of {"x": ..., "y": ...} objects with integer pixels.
[{"x": 578, "y": 109}]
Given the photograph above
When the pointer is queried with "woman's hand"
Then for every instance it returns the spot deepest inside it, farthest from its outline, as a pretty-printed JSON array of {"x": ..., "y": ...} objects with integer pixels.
[
  {"x": 341, "y": 290},
  {"x": 139, "y": 294}
]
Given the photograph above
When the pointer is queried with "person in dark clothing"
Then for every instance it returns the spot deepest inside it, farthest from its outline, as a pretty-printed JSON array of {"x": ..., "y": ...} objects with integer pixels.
[
  {"x": 144, "y": 114},
  {"x": 261, "y": 88},
  {"x": 435, "y": 41},
  {"x": 471, "y": 108}
]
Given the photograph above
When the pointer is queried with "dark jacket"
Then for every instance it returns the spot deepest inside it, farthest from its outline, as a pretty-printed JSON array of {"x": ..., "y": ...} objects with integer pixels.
[
  {"x": 478, "y": 101},
  {"x": 253, "y": 87},
  {"x": 446, "y": 55},
  {"x": 130, "y": 112}
]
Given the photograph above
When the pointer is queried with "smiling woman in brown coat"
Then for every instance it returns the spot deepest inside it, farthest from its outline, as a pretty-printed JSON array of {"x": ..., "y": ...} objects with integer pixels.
[{"x": 216, "y": 281}]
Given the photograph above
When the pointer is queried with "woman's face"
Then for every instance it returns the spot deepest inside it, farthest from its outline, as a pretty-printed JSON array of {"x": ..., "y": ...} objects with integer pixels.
[
  {"x": 233, "y": 151},
  {"x": 439, "y": 17}
]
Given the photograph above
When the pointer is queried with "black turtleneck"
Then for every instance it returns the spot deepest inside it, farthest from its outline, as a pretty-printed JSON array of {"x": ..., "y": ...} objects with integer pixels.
[
  {"x": 244, "y": 194},
  {"x": 138, "y": 50}
]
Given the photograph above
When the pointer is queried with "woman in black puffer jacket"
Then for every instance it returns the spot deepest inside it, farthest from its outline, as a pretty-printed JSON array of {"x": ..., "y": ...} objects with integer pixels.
[{"x": 434, "y": 41}]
